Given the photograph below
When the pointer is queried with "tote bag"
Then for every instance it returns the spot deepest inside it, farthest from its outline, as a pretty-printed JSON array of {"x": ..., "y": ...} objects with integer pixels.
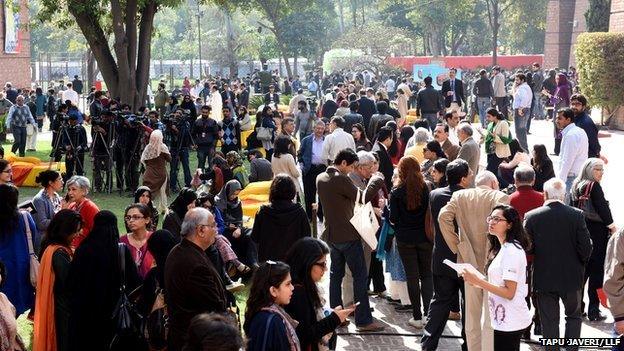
[{"x": 364, "y": 220}]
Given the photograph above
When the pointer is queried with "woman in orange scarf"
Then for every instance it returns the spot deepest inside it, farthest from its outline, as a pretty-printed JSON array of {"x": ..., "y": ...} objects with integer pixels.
[{"x": 52, "y": 300}]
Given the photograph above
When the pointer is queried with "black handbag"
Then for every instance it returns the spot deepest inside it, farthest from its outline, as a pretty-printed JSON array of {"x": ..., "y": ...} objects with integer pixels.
[{"x": 125, "y": 315}]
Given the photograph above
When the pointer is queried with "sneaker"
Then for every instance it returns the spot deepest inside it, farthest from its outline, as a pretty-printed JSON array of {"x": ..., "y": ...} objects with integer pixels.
[
  {"x": 416, "y": 323},
  {"x": 235, "y": 286},
  {"x": 596, "y": 317},
  {"x": 454, "y": 316},
  {"x": 373, "y": 327}
]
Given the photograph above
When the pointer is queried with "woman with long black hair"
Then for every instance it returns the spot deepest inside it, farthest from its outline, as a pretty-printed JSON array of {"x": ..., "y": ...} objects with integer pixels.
[
  {"x": 308, "y": 263},
  {"x": 506, "y": 277},
  {"x": 542, "y": 165},
  {"x": 143, "y": 195},
  {"x": 267, "y": 325},
  {"x": 177, "y": 210}
]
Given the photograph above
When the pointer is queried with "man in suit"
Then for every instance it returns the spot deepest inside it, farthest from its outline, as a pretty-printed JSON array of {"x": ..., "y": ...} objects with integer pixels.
[
  {"x": 271, "y": 97},
  {"x": 337, "y": 194},
  {"x": 446, "y": 283},
  {"x": 453, "y": 91},
  {"x": 384, "y": 140},
  {"x": 311, "y": 159},
  {"x": 366, "y": 107},
  {"x": 469, "y": 150},
  {"x": 193, "y": 283},
  {"x": 467, "y": 211},
  {"x": 378, "y": 120},
  {"x": 441, "y": 135},
  {"x": 561, "y": 247}
]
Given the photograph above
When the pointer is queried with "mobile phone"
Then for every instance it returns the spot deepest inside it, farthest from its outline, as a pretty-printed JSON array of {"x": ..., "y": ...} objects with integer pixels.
[{"x": 356, "y": 304}]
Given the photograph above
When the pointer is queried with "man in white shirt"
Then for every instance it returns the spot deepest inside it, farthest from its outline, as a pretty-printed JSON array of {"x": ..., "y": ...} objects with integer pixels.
[
  {"x": 71, "y": 95},
  {"x": 337, "y": 141},
  {"x": 293, "y": 105},
  {"x": 574, "y": 146},
  {"x": 523, "y": 97},
  {"x": 452, "y": 120}
]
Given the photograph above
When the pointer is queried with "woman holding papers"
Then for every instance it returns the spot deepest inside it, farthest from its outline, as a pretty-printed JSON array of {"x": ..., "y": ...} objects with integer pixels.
[{"x": 506, "y": 277}]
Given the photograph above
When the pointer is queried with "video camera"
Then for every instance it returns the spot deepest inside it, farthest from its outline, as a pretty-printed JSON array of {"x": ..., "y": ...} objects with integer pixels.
[{"x": 312, "y": 102}]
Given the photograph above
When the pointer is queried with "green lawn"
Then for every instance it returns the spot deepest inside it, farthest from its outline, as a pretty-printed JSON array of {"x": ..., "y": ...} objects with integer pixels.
[{"x": 112, "y": 202}]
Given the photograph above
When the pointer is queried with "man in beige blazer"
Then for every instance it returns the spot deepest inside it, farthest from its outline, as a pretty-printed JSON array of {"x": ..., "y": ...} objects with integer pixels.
[{"x": 469, "y": 208}]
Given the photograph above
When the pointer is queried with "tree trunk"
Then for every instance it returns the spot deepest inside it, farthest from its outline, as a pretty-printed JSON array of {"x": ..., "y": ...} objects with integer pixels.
[
  {"x": 230, "y": 40},
  {"x": 354, "y": 12},
  {"x": 341, "y": 17},
  {"x": 295, "y": 65}
]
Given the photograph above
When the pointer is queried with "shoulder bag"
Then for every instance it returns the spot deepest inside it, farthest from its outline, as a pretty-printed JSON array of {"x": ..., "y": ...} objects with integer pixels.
[
  {"x": 34, "y": 261},
  {"x": 585, "y": 204},
  {"x": 264, "y": 133},
  {"x": 364, "y": 220}
]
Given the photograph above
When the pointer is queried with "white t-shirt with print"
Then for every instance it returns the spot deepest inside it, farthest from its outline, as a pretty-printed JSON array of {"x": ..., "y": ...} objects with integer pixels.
[{"x": 509, "y": 264}]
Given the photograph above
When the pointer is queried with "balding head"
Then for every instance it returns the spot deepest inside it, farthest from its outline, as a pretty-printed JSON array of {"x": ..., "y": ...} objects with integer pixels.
[
  {"x": 487, "y": 179},
  {"x": 524, "y": 175}
]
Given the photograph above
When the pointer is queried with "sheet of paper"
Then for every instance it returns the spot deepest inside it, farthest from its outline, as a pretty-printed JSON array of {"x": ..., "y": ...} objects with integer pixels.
[{"x": 461, "y": 267}]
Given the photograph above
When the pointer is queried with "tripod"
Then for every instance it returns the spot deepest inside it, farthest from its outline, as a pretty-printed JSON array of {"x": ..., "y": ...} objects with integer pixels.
[
  {"x": 56, "y": 150},
  {"x": 98, "y": 136}
]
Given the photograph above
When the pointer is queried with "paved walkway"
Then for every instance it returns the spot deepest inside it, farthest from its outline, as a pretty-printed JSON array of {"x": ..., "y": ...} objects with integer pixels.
[{"x": 409, "y": 337}]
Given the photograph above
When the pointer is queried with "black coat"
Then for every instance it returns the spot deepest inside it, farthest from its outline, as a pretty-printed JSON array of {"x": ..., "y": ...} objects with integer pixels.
[
  {"x": 193, "y": 287},
  {"x": 309, "y": 330},
  {"x": 459, "y": 92},
  {"x": 438, "y": 198},
  {"x": 367, "y": 109},
  {"x": 542, "y": 174},
  {"x": 561, "y": 245},
  {"x": 267, "y": 98},
  {"x": 277, "y": 227},
  {"x": 409, "y": 225}
]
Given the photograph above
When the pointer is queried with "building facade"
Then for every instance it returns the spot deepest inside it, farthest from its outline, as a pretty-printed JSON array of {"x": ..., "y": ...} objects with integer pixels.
[{"x": 15, "y": 67}]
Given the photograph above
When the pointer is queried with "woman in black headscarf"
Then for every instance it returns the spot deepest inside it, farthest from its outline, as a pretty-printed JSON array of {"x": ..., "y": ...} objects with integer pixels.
[
  {"x": 187, "y": 104},
  {"x": 232, "y": 211},
  {"x": 159, "y": 245},
  {"x": 94, "y": 285},
  {"x": 177, "y": 210}
]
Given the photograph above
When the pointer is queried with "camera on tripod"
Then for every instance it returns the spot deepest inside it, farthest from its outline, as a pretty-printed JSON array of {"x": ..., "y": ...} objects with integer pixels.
[{"x": 312, "y": 102}]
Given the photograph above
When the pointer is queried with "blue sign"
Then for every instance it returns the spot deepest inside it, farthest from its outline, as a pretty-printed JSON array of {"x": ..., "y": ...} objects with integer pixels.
[{"x": 435, "y": 71}]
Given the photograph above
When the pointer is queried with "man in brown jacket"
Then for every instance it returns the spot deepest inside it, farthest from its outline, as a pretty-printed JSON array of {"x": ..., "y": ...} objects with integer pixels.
[
  {"x": 441, "y": 135},
  {"x": 193, "y": 284},
  {"x": 614, "y": 282},
  {"x": 468, "y": 209},
  {"x": 338, "y": 194}
]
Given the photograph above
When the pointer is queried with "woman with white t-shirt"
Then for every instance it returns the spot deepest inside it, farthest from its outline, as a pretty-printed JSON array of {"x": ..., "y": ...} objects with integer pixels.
[{"x": 506, "y": 277}]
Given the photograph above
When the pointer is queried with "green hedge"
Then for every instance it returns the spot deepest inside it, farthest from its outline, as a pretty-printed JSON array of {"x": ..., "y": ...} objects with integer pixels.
[{"x": 600, "y": 61}]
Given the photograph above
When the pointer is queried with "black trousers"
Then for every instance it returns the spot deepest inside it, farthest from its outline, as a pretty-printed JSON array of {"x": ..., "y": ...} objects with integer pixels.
[
  {"x": 416, "y": 259},
  {"x": 507, "y": 341},
  {"x": 309, "y": 189},
  {"x": 101, "y": 165},
  {"x": 445, "y": 295},
  {"x": 74, "y": 162},
  {"x": 120, "y": 162},
  {"x": 548, "y": 306},
  {"x": 594, "y": 271},
  {"x": 376, "y": 274}
]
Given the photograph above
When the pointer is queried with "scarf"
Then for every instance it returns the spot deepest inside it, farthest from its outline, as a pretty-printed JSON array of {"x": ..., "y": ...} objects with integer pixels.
[
  {"x": 222, "y": 201},
  {"x": 44, "y": 325},
  {"x": 155, "y": 147},
  {"x": 289, "y": 323}
]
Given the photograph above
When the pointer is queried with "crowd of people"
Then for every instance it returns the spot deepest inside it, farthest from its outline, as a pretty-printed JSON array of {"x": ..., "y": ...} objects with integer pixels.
[{"x": 495, "y": 245}]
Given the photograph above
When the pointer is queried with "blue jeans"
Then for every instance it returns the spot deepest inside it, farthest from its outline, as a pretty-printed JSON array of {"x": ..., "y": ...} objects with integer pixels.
[
  {"x": 520, "y": 123},
  {"x": 19, "y": 134},
  {"x": 483, "y": 103},
  {"x": 205, "y": 153},
  {"x": 432, "y": 119},
  {"x": 176, "y": 157},
  {"x": 352, "y": 254},
  {"x": 568, "y": 184}
]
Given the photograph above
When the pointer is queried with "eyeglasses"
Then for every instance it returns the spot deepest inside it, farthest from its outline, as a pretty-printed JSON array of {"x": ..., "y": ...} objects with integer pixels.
[
  {"x": 133, "y": 218},
  {"x": 321, "y": 264},
  {"x": 209, "y": 225},
  {"x": 8, "y": 171},
  {"x": 494, "y": 219}
]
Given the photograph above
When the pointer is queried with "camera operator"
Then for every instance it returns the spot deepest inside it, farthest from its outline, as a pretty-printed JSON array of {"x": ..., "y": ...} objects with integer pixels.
[
  {"x": 134, "y": 129},
  {"x": 96, "y": 107},
  {"x": 74, "y": 144},
  {"x": 153, "y": 121},
  {"x": 178, "y": 139},
  {"x": 206, "y": 134},
  {"x": 57, "y": 122},
  {"x": 103, "y": 136}
]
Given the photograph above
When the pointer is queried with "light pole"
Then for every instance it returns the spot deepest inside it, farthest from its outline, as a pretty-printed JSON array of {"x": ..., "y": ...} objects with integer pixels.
[{"x": 199, "y": 15}]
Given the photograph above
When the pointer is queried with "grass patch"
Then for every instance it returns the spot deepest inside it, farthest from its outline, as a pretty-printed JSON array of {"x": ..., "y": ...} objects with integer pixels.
[{"x": 113, "y": 202}]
